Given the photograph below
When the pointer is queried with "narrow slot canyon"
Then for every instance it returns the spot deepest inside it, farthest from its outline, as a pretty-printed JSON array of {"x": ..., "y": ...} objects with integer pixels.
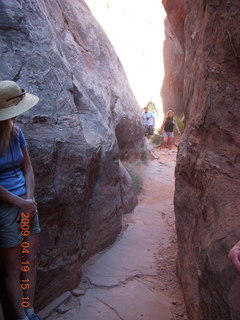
[
  {"x": 136, "y": 277},
  {"x": 128, "y": 231}
]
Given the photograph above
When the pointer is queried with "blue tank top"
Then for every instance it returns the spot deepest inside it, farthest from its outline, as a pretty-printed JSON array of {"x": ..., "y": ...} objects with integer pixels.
[{"x": 11, "y": 174}]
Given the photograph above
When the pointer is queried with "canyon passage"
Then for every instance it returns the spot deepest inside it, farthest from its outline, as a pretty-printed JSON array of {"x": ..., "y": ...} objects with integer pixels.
[
  {"x": 135, "y": 278},
  {"x": 77, "y": 139}
]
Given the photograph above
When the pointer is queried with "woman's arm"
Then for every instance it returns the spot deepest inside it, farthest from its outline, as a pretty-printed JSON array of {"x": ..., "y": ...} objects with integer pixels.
[
  {"x": 176, "y": 125},
  {"x": 25, "y": 205},
  {"x": 163, "y": 124},
  {"x": 9, "y": 197},
  {"x": 234, "y": 256},
  {"x": 28, "y": 173}
]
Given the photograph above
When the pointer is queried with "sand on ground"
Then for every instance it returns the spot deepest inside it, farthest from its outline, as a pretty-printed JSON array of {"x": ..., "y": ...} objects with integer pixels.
[{"x": 135, "y": 278}]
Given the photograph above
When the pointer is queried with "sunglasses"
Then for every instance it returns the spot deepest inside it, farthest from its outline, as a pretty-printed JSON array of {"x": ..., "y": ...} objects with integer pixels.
[{"x": 18, "y": 96}]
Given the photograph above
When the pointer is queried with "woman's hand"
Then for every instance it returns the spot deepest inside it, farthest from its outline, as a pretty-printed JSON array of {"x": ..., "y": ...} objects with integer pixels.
[{"x": 27, "y": 206}]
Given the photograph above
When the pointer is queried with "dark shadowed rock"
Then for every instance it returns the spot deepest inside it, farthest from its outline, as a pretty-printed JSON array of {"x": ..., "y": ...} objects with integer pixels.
[
  {"x": 208, "y": 167},
  {"x": 87, "y": 119}
]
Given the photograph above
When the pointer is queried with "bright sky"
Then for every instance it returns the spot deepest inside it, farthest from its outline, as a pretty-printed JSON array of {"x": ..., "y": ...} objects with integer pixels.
[{"x": 136, "y": 30}]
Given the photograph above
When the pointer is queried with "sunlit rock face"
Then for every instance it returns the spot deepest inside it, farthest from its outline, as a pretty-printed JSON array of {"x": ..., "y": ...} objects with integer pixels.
[
  {"x": 208, "y": 164},
  {"x": 86, "y": 120},
  {"x": 173, "y": 51}
]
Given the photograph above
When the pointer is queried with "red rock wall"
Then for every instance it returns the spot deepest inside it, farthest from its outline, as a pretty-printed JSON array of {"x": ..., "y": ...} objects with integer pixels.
[
  {"x": 207, "y": 202},
  {"x": 57, "y": 50},
  {"x": 173, "y": 51}
]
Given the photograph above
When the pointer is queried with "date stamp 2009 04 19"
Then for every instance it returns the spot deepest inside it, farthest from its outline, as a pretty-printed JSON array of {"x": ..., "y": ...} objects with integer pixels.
[{"x": 25, "y": 247}]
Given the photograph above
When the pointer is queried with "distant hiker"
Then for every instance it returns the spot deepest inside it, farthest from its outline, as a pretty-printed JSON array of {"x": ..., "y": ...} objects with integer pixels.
[
  {"x": 19, "y": 226},
  {"x": 148, "y": 122},
  {"x": 167, "y": 130},
  {"x": 151, "y": 107}
]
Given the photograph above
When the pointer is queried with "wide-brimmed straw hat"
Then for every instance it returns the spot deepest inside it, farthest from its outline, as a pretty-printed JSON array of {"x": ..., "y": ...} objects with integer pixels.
[{"x": 13, "y": 100}]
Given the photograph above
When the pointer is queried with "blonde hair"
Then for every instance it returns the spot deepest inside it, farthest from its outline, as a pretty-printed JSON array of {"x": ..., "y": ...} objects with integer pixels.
[
  {"x": 6, "y": 130},
  {"x": 170, "y": 111}
]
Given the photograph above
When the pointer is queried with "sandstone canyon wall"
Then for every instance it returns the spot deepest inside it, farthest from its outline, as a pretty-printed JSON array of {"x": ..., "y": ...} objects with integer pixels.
[
  {"x": 173, "y": 52},
  {"x": 206, "y": 200},
  {"x": 86, "y": 120}
]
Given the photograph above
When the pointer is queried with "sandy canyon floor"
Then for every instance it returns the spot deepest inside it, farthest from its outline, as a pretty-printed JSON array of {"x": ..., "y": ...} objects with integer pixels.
[{"x": 136, "y": 277}]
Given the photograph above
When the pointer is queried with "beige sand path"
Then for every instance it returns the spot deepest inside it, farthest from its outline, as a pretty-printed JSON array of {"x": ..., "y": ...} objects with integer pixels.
[{"x": 135, "y": 278}]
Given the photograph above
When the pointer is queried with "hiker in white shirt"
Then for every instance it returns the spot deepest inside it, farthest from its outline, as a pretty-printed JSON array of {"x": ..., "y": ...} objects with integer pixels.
[{"x": 148, "y": 122}]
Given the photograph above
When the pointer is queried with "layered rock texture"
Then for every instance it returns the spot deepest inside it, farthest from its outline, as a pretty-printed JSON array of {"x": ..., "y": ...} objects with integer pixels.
[
  {"x": 87, "y": 119},
  {"x": 173, "y": 51},
  {"x": 208, "y": 165}
]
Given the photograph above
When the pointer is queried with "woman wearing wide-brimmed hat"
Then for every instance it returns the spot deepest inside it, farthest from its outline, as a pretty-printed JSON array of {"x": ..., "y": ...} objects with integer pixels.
[{"x": 19, "y": 226}]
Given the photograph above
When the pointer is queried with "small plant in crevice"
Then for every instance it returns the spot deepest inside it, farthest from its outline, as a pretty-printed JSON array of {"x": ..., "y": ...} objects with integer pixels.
[
  {"x": 137, "y": 180},
  {"x": 156, "y": 139},
  {"x": 144, "y": 157}
]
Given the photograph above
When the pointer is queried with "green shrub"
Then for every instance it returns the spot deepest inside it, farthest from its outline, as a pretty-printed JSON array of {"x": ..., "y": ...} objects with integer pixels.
[
  {"x": 137, "y": 180},
  {"x": 144, "y": 157},
  {"x": 156, "y": 139}
]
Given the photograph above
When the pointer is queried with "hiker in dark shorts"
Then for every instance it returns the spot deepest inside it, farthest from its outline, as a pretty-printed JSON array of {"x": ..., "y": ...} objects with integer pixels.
[
  {"x": 167, "y": 130},
  {"x": 19, "y": 226},
  {"x": 148, "y": 122}
]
